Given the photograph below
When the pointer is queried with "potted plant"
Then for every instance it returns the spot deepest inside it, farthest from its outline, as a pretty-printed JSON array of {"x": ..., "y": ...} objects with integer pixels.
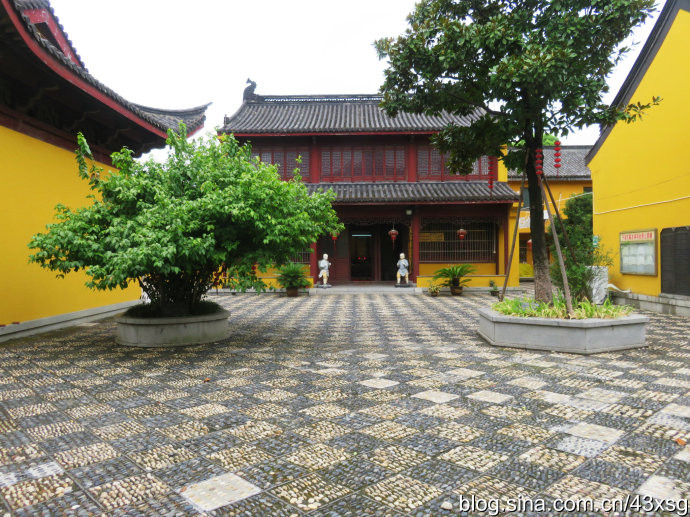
[
  {"x": 454, "y": 277},
  {"x": 170, "y": 227},
  {"x": 434, "y": 290},
  {"x": 292, "y": 277},
  {"x": 493, "y": 288}
]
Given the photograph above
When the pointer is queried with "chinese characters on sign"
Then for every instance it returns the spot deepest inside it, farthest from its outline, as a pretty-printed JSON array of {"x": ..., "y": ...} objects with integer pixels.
[{"x": 638, "y": 252}]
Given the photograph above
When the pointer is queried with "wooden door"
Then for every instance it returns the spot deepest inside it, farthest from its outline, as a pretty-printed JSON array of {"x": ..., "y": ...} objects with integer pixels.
[{"x": 675, "y": 260}]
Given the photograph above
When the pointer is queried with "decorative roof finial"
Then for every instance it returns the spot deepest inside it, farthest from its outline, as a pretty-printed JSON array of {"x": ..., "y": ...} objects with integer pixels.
[{"x": 249, "y": 91}]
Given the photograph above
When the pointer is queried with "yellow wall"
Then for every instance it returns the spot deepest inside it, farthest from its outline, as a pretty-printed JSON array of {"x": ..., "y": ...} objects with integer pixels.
[
  {"x": 644, "y": 163},
  {"x": 35, "y": 177},
  {"x": 270, "y": 277}
]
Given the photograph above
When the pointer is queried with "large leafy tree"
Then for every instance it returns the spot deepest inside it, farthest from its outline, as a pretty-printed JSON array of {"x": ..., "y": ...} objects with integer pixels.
[
  {"x": 170, "y": 226},
  {"x": 520, "y": 69}
]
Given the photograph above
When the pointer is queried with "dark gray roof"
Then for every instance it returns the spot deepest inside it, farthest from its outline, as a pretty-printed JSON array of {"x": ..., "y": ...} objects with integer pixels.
[
  {"x": 300, "y": 114},
  {"x": 162, "y": 119},
  {"x": 644, "y": 60},
  {"x": 573, "y": 165},
  {"x": 421, "y": 192}
]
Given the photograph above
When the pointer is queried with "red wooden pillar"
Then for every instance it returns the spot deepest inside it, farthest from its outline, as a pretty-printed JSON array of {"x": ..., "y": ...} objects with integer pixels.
[
  {"x": 415, "y": 227},
  {"x": 313, "y": 264}
]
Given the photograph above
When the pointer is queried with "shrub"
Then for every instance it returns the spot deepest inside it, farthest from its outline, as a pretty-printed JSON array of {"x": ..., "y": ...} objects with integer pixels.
[
  {"x": 530, "y": 308},
  {"x": 171, "y": 226},
  {"x": 292, "y": 276},
  {"x": 454, "y": 276},
  {"x": 578, "y": 224}
]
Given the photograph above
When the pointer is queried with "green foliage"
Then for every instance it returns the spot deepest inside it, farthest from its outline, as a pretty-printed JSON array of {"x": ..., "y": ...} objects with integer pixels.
[
  {"x": 530, "y": 308},
  {"x": 434, "y": 288},
  {"x": 578, "y": 210},
  {"x": 492, "y": 286},
  {"x": 518, "y": 70},
  {"x": 292, "y": 276},
  {"x": 171, "y": 226},
  {"x": 453, "y": 276},
  {"x": 149, "y": 310}
]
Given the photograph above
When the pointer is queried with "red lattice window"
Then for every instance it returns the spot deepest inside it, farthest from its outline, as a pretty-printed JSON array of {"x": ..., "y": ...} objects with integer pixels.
[
  {"x": 431, "y": 164},
  {"x": 366, "y": 163},
  {"x": 439, "y": 242},
  {"x": 285, "y": 159}
]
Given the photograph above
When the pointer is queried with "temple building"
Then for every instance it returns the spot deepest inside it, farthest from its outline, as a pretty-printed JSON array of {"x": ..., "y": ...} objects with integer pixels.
[
  {"x": 572, "y": 178},
  {"x": 386, "y": 176},
  {"x": 46, "y": 97}
]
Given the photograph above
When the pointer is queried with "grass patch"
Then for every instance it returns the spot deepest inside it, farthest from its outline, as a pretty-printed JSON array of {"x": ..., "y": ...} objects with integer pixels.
[
  {"x": 530, "y": 308},
  {"x": 148, "y": 310}
]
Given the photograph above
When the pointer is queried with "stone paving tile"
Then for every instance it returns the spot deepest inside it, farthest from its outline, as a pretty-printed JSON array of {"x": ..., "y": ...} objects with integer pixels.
[{"x": 341, "y": 405}]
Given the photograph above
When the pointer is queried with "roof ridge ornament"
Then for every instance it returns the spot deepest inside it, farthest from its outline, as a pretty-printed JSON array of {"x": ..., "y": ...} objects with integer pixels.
[{"x": 249, "y": 91}]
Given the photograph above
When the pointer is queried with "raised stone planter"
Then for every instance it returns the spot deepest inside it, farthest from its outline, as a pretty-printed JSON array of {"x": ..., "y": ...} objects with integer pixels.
[
  {"x": 185, "y": 330},
  {"x": 587, "y": 336}
]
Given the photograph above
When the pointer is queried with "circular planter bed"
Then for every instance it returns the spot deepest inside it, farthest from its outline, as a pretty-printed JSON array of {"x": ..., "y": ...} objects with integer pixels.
[
  {"x": 585, "y": 336},
  {"x": 184, "y": 330}
]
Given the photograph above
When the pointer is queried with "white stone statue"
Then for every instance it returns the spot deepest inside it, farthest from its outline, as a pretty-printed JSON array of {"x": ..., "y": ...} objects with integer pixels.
[
  {"x": 403, "y": 264},
  {"x": 323, "y": 268}
]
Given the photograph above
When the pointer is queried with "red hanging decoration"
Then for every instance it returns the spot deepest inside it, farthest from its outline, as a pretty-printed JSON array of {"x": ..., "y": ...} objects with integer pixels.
[
  {"x": 462, "y": 233},
  {"x": 393, "y": 234},
  {"x": 529, "y": 244},
  {"x": 557, "y": 154},
  {"x": 539, "y": 162},
  {"x": 491, "y": 175}
]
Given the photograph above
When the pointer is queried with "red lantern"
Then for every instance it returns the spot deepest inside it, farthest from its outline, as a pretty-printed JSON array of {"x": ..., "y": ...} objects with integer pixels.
[
  {"x": 557, "y": 155},
  {"x": 539, "y": 162},
  {"x": 393, "y": 234},
  {"x": 462, "y": 233},
  {"x": 529, "y": 244}
]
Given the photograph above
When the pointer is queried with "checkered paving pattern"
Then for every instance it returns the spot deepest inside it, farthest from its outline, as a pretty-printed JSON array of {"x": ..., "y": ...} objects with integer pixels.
[{"x": 355, "y": 404}]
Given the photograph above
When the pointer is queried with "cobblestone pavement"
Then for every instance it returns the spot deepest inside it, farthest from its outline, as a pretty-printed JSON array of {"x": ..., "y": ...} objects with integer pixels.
[{"x": 337, "y": 405}]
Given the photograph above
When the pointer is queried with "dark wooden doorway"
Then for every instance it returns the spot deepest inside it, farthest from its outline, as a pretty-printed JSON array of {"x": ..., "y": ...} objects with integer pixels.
[{"x": 675, "y": 260}]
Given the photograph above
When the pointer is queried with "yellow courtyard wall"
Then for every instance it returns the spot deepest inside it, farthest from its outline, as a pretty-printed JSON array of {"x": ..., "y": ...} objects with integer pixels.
[
  {"x": 641, "y": 177},
  {"x": 35, "y": 177}
]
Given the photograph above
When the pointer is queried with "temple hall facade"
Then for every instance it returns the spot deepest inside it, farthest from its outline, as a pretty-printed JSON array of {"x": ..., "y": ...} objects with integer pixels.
[{"x": 386, "y": 176}]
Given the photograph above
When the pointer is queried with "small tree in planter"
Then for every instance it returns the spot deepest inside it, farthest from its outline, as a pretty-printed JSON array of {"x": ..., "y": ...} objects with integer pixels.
[
  {"x": 584, "y": 257},
  {"x": 291, "y": 277},
  {"x": 170, "y": 226},
  {"x": 454, "y": 277}
]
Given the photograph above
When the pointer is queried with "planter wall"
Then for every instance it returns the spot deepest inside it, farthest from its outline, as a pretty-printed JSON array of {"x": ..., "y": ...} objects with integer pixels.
[
  {"x": 587, "y": 336},
  {"x": 186, "y": 330}
]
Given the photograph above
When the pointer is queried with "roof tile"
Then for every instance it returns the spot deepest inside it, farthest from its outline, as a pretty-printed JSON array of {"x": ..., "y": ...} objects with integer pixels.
[
  {"x": 423, "y": 192},
  {"x": 329, "y": 114}
]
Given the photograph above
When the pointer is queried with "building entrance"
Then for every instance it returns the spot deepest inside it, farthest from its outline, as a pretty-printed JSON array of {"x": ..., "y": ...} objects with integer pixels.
[{"x": 373, "y": 255}]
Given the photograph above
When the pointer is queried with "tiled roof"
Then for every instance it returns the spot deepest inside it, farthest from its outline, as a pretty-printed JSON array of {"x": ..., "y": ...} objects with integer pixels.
[
  {"x": 573, "y": 165},
  {"x": 299, "y": 114},
  {"x": 163, "y": 119},
  {"x": 423, "y": 192}
]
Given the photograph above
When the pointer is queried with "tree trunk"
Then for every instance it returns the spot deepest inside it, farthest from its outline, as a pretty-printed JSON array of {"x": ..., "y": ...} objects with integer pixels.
[{"x": 540, "y": 257}]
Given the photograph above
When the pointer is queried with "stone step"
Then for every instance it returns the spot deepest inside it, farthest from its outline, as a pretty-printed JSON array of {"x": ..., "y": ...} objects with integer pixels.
[{"x": 366, "y": 289}]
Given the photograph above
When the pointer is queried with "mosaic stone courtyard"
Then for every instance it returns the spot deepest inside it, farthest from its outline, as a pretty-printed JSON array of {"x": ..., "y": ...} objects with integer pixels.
[{"x": 338, "y": 405}]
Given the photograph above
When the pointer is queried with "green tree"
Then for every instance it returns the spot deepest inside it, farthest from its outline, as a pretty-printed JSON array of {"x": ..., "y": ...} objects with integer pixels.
[
  {"x": 170, "y": 226},
  {"x": 519, "y": 69},
  {"x": 579, "y": 226}
]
